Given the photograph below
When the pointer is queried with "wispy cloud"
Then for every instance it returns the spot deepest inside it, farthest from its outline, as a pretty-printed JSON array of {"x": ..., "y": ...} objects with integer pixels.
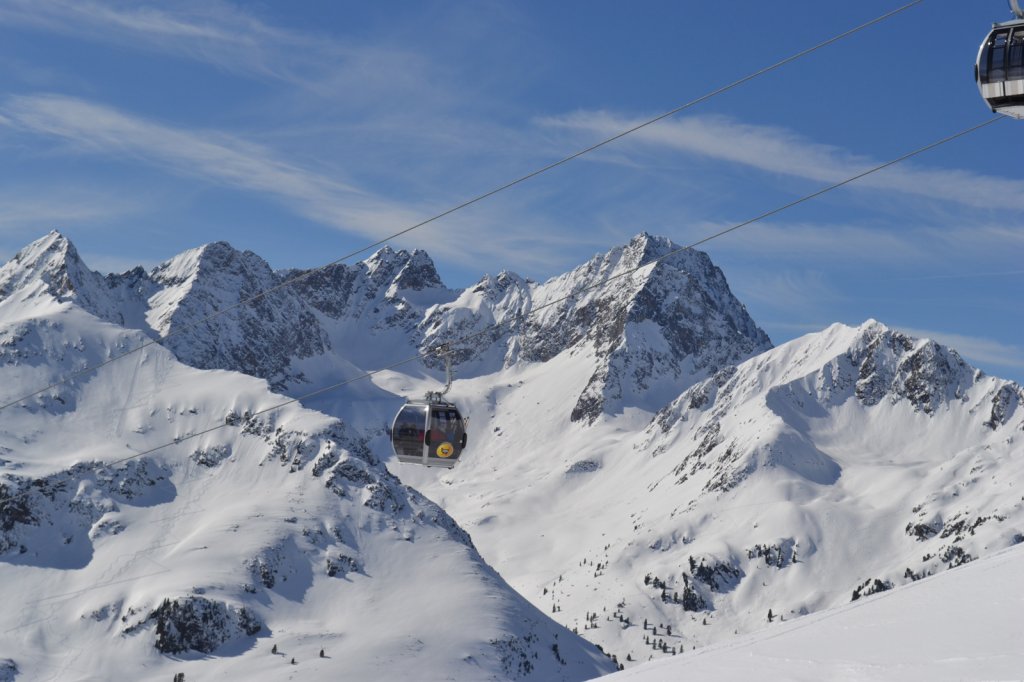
[
  {"x": 980, "y": 248},
  {"x": 800, "y": 293},
  {"x": 212, "y": 32},
  {"x": 977, "y": 349},
  {"x": 784, "y": 152},
  {"x": 819, "y": 242},
  {"x": 232, "y": 39},
  {"x": 234, "y": 162},
  {"x": 33, "y": 208},
  {"x": 210, "y": 156}
]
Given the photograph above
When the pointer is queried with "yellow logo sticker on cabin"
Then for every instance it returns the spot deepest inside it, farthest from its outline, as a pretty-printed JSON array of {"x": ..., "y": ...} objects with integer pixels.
[{"x": 445, "y": 450}]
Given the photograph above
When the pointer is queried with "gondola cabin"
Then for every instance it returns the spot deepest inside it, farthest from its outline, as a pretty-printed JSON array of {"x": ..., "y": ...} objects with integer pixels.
[
  {"x": 432, "y": 433},
  {"x": 999, "y": 70}
]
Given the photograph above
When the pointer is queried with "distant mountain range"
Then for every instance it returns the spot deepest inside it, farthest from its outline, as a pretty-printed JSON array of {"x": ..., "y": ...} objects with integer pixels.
[{"x": 644, "y": 467}]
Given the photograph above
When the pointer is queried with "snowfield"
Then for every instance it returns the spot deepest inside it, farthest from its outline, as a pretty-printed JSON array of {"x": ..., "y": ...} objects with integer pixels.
[{"x": 646, "y": 476}]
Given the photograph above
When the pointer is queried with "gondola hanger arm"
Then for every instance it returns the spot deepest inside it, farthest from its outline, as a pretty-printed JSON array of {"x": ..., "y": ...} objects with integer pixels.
[
  {"x": 445, "y": 351},
  {"x": 1015, "y": 8}
]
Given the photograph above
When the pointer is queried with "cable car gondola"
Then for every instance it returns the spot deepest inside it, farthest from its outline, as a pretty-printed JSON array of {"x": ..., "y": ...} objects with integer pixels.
[
  {"x": 430, "y": 431},
  {"x": 1000, "y": 67}
]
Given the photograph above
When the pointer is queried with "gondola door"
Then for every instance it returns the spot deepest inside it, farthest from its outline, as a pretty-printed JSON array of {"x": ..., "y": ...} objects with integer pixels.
[
  {"x": 408, "y": 432},
  {"x": 446, "y": 435}
]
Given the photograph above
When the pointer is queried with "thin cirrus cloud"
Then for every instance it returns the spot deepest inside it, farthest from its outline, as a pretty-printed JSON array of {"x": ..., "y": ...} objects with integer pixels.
[
  {"x": 215, "y": 32},
  {"x": 236, "y": 163},
  {"x": 222, "y": 35},
  {"x": 216, "y": 157},
  {"x": 30, "y": 208},
  {"x": 980, "y": 247},
  {"x": 777, "y": 150}
]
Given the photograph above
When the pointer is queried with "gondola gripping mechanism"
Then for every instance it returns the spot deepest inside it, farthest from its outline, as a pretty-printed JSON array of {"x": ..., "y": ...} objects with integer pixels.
[{"x": 445, "y": 351}]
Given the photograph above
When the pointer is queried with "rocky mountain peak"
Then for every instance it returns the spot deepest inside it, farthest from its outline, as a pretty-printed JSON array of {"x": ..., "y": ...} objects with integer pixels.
[
  {"x": 396, "y": 271},
  {"x": 51, "y": 261},
  {"x": 51, "y": 266},
  {"x": 213, "y": 260},
  {"x": 493, "y": 288},
  {"x": 653, "y": 330},
  {"x": 892, "y": 365},
  {"x": 418, "y": 273}
]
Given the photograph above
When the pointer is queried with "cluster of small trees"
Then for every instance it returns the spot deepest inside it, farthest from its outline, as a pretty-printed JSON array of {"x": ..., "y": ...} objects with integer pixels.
[
  {"x": 691, "y": 600},
  {"x": 659, "y": 645}
]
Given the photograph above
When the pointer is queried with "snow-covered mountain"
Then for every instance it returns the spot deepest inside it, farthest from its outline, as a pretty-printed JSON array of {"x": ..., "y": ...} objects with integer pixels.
[
  {"x": 643, "y": 466},
  {"x": 670, "y": 323},
  {"x": 243, "y": 552},
  {"x": 840, "y": 464}
]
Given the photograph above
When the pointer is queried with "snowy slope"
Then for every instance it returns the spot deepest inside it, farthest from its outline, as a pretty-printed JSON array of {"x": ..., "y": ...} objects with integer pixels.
[
  {"x": 964, "y": 625},
  {"x": 840, "y": 464},
  {"x": 638, "y": 451},
  {"x": 280, "y": 529}
]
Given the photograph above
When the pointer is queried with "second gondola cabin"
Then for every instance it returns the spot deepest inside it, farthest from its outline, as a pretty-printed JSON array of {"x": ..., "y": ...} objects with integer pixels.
[
  {"x": 999, "y": 70},
  {"x": 430, "y": 432}
]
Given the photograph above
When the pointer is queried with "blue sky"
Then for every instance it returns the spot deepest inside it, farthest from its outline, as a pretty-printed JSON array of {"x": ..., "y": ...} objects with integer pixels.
[{"x": 305, "y": 130}]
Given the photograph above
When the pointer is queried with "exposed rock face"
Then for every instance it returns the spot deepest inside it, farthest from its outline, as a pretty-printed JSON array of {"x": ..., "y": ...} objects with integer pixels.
[
  {"x": 892, "y": 366},
  {"x": 261, "y": 337},
  {"x": 386, "y": 291},
  {"x": 656, "y": 318},
  {"x": 52, "y": 521}
]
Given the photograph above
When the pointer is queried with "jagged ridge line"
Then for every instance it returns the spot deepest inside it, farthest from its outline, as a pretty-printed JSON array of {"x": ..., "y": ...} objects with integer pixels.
[
  {"x": 573, "y": 294},
  {"x": 470, "y": 202}
]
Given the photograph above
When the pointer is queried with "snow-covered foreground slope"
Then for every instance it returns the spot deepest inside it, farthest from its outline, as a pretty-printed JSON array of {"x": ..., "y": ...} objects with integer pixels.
[
  {"x": 279, "y": 530},
  {"x": 841, "y": 464},
  {"x": 960, "y": 626}
]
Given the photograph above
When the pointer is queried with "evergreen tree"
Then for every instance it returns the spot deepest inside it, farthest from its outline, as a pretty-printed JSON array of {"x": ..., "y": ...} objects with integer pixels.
[{"x": 274, "y": 650}]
